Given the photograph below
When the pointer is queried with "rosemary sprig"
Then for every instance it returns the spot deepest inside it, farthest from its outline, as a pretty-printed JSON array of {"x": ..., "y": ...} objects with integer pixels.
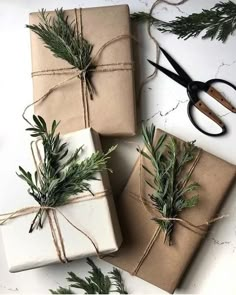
[
  {"x": 96, "y": 283},
  {"x": 61, "y": 37},
  {"x": 59, "y": 178},
  {"x": 218, "y": 22},
  {"x": 169, "y": 181}
]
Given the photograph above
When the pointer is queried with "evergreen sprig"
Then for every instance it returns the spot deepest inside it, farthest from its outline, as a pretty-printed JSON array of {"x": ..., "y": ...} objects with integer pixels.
[
  {"x": 218, "y": 22},
  {"x": 118, "y": 281},
  {"x": 142, "y": 17},
  {"x": 61, "y": 37},
  {"x": 169, "y": 180},
  {"x": 96, "y": 283},
  {"x": 59, "y": 177}
]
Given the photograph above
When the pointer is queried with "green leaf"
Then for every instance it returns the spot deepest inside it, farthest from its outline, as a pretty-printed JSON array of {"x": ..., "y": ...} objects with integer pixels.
[
  {"x": 144, "y": 154},
  {"x": 43, "y": 123},
  {"x": 192, "y": 202},
  {"x": 146, "y": 169},
  {"x": 160, "y": 142}
]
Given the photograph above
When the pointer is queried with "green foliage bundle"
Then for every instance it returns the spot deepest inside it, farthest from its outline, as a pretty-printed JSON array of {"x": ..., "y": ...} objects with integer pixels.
[
  {"x": 169, "y": 179},
  {"x": 61, "y": 37},
  {"x": 96, "y": 283},
  {"x": 59, "y": 178},
  {"x": 218, "y": 22}
]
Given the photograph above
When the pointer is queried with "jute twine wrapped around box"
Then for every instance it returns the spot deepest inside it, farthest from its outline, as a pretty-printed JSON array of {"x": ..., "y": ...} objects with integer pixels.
[
  {"x": 82, "y": 75},
  {"x": 199, "y": 229}
]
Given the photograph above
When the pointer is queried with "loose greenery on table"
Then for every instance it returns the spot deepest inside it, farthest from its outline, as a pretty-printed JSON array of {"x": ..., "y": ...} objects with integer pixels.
[
  {"x": 62, "y": 38},
  {"x": 96, "y": 283},
  {"x": 58, "y": 178},
  {"x": 218, "y": 22},
  {"x": 169, "y": 177}
]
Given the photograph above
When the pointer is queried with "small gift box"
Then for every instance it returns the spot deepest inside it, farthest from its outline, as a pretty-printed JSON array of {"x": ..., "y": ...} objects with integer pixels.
[
  {"x": 100, "y": 95},
  {"x": 87, "y": 225},
  {"x": 144, "y": 252}
]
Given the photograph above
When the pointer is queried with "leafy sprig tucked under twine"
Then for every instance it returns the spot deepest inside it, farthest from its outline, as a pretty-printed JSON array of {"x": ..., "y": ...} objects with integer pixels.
[
  {"x": 58, "y": 178},
  {"x": 96, "y": 283},
  {"x": 62, "y": 38},
  {"x": 169, "y": 179},
  {"x": 218, "y": 22}
]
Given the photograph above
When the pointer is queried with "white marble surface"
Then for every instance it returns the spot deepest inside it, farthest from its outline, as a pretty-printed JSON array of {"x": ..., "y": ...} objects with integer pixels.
[{"x": 163, "y": 102}]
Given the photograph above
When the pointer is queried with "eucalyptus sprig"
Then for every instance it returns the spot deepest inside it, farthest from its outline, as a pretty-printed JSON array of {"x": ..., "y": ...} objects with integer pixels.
[
  {"x": 58, "y": 178},
  {"x": 62, "y": 38},
  {"x": 96, "y": 283},
  {"x": 218, "y": 22},
  {"x": 169, "y": 178}
]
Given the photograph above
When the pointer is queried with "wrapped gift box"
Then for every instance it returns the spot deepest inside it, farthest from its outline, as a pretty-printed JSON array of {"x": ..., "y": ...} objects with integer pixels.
[
  {"x": 143, "y": 252},
  {"x": 37, "y": 249},
  {"x": 112, "y": 110}
]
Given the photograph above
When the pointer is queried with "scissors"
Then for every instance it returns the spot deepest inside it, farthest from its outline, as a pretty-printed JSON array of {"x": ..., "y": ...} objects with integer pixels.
[{"x": 193, "y": 88}]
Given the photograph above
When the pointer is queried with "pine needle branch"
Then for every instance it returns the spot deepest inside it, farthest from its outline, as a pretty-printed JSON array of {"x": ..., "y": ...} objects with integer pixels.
[
  {"x": 59, "y": 177},
  {"x": 169, "y": 180},
  {"x": 95, "y": 283},
  {"x": 60, "y": 36},
  {"x": 141, "y": 17},
  {"x": 118, "y": 281},
  {"x": 218, "y": 22}
]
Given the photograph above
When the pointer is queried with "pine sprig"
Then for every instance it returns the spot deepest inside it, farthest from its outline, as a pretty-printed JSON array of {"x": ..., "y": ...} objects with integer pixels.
[
  {"x": 218, "y": 22},
  {"x": 96, "y": 283},
  {"x": 169, "y": 181},
  {"x": 118, "y": 281},
  {"x": 141, "y": 17},
  {"x": 59, "y": 177},
  {"x": 61, "y": 37}
]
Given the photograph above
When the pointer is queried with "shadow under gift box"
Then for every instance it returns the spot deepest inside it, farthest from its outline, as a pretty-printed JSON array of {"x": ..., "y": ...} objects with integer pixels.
[
  {"x": 113, "y": 108},
  {"x": 95, "y": 216},
  {"x": 158, "y": 263}
]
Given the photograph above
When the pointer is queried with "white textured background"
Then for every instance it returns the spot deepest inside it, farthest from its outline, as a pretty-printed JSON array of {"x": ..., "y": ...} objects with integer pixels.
[{"x": 163, "y": 102}]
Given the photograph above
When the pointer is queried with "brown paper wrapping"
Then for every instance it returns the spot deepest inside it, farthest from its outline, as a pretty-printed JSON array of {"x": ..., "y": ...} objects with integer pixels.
[
  {"x": 112, "y": 111},
  {"x": 164, "y": 266}
]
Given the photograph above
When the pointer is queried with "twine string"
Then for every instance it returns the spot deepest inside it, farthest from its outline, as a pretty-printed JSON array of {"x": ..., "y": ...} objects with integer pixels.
[{"x": 156, "y": 43}]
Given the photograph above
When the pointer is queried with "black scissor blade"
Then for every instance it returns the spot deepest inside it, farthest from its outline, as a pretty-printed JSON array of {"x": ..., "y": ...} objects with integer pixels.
[
  {"x": 176, "y": 66},
  {"x": 170, "y": 74}
]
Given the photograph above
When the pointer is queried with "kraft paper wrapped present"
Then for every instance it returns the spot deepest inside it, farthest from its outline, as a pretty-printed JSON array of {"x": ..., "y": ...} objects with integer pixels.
[
  {"x": 143, "y": 252},
  {"x": 112, "y": 109},
  {"x": 37, "y": 249}
]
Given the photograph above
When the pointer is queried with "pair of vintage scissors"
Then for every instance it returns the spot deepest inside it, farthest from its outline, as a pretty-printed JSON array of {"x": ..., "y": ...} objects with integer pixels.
[{"x": 193, "y": 89}]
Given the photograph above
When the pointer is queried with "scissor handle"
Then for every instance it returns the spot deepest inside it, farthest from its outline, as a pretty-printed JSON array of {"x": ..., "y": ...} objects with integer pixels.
[
  {"x": 218, "y": 96},
  {"x": 204, "y": 109}
]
